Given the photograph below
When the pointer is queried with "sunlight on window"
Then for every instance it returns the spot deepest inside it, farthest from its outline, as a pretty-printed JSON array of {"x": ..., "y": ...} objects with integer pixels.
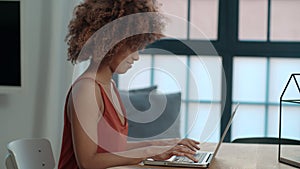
[
  {"x": 204, "y": 17},
  {"x": 280, "y": 71},
  {"x": 205, "y": 78},
  {"x": 249, "y": 79},
  {"x": 204, "y": 122},
  {"x": 253, "y": 19},
  {"x": 290, "y": 127},
  {"x": 273, "y": 125},
  {"x": 170, "y": 73},
  {"x": 285, "y": 16},
  {"x": 249, "y": 122},
  {"x": 177, "y": 25}
]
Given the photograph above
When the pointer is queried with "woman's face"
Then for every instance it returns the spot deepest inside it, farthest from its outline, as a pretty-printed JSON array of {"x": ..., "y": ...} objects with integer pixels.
[{"x": 124, "y": 61}]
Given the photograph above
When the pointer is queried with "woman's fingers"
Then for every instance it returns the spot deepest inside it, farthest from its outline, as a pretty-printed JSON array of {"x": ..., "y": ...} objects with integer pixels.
[
  {"x": 166, "y": 152},
  {"x": 192, "y": 157},
  {"x": 192, "y": 144},
  {"x": 184, "y": 151}
]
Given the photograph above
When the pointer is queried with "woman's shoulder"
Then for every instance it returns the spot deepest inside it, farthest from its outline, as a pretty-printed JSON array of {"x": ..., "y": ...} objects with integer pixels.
[
  {"x": 84, "y": 80},
  {"x": 85, "y": 85},
  {"x": 85, "y": 91}
]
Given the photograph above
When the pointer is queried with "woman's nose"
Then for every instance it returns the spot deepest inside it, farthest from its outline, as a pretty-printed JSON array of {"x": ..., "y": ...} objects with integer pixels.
[{"x": 135, "y": 56}]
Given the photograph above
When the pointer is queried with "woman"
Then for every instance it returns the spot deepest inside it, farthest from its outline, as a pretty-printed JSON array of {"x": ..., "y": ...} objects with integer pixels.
[{"x": 95, "y": 125}]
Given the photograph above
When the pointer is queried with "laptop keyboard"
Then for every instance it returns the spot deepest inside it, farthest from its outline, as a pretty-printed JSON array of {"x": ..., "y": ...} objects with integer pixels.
[{"x": 198, "y": 156}]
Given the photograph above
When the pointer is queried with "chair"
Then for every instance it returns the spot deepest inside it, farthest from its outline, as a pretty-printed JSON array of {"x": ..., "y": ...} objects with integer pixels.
[
  {"x": 266, "y": 140},
  {"x": 9, "y": 162},
  {"x": 30, "y": 153},
  {"x": 144, "y": 104}
]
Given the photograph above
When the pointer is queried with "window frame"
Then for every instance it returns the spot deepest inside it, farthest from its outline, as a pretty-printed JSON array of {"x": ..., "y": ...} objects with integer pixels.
[{"x": 227, "y": 46}]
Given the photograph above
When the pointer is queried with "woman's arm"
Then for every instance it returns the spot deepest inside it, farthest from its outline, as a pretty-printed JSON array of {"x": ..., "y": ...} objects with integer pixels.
[
  {"x": 87, "y": 157},
  {"x": 84, "y": 114},
  {"x": 192, "y": 144},
  {"x": 138, "y": 144}
]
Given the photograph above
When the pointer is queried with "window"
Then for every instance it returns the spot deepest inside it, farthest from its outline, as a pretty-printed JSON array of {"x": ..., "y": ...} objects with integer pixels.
[
  {"x": 284, "y": 20},
  {"x": 253, "y": 20},
  {"x": 198, "y": 79},
  {"x": 258, "y": 51}
]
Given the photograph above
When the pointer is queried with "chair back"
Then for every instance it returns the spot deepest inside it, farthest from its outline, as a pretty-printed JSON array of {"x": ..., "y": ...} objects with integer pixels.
[
  {"x": 30, "y": 153},
  {"x": 10, "y": 163}
]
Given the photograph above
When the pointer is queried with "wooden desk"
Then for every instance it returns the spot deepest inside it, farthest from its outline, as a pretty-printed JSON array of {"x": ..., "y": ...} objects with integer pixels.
[{"x": 238, "y": 156}]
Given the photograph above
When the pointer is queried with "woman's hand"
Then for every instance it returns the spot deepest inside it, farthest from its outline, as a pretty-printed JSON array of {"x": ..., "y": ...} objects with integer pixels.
[
  {"x": 192, "y": 144},
  {"x": 166, "y": 148},
  {"x": 166, "y": 152}
]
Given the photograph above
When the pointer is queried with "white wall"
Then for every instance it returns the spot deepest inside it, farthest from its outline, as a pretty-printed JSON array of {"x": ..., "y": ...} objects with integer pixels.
[{"x": 37, "y": 110}]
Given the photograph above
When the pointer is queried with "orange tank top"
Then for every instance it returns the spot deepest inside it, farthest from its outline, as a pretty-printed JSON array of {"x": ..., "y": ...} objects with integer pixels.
[{"x": 112, "y": 134}]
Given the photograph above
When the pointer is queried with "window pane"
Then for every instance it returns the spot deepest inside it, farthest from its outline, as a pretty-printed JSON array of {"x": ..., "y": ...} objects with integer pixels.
[
  {"x": 138, "y": 76},
  {"x": 205, "y": 78},
  {"x": 273, "y": 121},
  {"x": 280, "y": 71},
  {"x": 204, "y": 19},
  {"x": 204, "y": 122},
  {"x": 249, "y": 121},
  {"x": 249, "y": 79},
  {"x": 253, "y": 19},
  {"x": 290, "y": 121},
  {"x": 177, "y": 25},
  {"x": 285, "y": 16},
  {"x": 170, "y": 73}
]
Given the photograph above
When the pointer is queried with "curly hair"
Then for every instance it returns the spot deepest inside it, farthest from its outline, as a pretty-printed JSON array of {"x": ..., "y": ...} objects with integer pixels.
[{"x": 91, "y": 15}]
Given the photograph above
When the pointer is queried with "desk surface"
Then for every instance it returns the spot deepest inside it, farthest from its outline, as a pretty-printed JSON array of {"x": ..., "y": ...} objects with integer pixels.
[{"x": 238, "y": 156}]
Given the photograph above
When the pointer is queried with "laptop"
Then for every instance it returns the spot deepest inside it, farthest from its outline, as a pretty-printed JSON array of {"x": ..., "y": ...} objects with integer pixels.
[{"x": 204, "y": 157}]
